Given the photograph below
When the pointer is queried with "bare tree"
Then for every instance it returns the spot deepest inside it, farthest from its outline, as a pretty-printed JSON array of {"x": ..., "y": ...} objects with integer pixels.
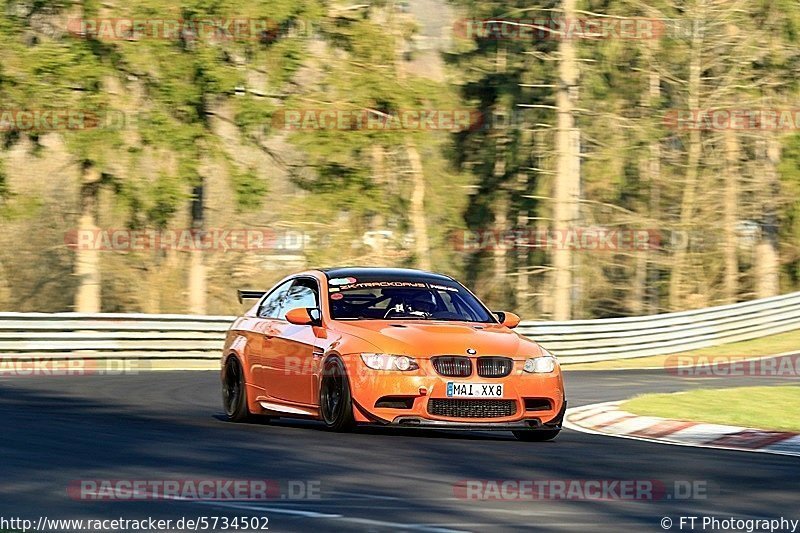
[
  {"x": 567, "y": 182},
  {"x": 197, "y": 268},
  {"x": 87, "y": 261}
]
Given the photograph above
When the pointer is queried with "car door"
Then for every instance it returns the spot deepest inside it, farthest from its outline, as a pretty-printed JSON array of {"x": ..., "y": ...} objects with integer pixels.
[
  {"x": 268, "y": 311},
  {"x": 291, "y": 356}
]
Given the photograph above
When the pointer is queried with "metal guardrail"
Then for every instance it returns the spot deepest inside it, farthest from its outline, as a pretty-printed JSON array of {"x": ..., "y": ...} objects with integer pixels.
[
  {"x": 195, "y": 337},
  {"x": 623, "y": 338},
  {"x": 113, "y": 335}
]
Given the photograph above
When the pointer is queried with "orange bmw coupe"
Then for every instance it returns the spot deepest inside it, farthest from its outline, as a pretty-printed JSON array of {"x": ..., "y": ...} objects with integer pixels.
[{"x": 390, "y": 347}]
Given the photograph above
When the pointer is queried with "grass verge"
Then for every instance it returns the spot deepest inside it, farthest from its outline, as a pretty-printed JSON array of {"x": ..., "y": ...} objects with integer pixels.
[
  {"x": 757, "y": 407},
  {"x": 761, "y": 347}
]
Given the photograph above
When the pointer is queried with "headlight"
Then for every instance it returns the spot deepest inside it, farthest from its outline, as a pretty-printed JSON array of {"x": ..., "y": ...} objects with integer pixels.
[
  {"x": 540, "y": 365},
  {"x": 384, "y": 361}
]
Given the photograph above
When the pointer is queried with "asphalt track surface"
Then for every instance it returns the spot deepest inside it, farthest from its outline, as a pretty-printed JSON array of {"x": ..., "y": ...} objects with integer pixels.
[{"x": 169, "y": 425}]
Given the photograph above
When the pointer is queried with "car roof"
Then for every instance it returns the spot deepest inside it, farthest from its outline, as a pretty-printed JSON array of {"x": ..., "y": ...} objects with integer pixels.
[{"x": 405, "y": 273}]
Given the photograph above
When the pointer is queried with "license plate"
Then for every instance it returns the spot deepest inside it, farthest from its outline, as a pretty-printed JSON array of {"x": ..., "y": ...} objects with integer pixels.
[{"x": 474, "y": 390}]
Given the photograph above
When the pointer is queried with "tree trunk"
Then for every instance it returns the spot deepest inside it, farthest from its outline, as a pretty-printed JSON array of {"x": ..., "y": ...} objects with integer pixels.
[
  {"x": 638, "y": 293},
  {"x": 645, "y": 297},
  {"x": 567, "y": 182},
  {"x": 152, "y": 285},
  {"x": 652, "y": 298},
  {"x": 501, "y": 205},
  {"x": 87, "y": 261},
  {"x": 379, "y": 165},
  {"x": 156, "y": 277},
  {"x": 419, "y": 222},
  {"x": 521, "y": 292},
  {"x": 731, "y": 216},
  {"x": 676, "y": 288},
  {"x": 500, "y": 262},
  {"x": 5, "y": 289},
  {"x": 197, "y": 267},
  {"x": 767, "y": 263}
]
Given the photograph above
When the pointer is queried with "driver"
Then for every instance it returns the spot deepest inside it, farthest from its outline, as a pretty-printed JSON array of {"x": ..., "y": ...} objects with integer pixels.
[{"x": 423, "y": 302}]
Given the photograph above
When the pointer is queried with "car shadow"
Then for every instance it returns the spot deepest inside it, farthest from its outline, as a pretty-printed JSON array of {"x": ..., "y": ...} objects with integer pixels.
[{"x": 316, "y": 425}]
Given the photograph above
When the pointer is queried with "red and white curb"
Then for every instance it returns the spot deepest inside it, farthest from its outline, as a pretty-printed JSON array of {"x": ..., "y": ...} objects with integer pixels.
[{"x": 608, "y": 419}]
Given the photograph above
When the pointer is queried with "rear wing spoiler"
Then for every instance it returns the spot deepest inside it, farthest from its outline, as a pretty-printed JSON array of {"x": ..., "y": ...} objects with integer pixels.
[{"x": 245, "y": 294}]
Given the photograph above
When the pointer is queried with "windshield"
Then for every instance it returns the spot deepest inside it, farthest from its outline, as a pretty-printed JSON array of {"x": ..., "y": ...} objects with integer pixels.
[{"x": 398, "y": 299}]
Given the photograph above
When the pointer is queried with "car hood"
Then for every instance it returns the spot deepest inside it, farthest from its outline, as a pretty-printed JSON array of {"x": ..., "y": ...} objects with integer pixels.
[{"x": 426, "y": 339}]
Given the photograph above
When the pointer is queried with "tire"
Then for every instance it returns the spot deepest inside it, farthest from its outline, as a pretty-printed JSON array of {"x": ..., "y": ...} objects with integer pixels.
[
  {"x": 335, "y": 401},
  {"x": 234, "y": 391},
  {"x": 536, "y": 435}
]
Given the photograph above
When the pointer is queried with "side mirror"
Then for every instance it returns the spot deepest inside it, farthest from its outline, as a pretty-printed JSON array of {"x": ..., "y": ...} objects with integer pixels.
[
  {"x": 509, "y": 320},
  {"x": 303, "y": 316}
]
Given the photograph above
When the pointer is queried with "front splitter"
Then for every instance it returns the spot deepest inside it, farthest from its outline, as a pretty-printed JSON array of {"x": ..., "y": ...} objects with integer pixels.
[{"x": 424, "y": 423}]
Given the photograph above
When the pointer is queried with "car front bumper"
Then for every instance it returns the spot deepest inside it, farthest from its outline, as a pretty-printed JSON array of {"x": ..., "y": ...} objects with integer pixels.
[
  {"x": 369, "y": 387},
  {"x": 525, "y": 424}
]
